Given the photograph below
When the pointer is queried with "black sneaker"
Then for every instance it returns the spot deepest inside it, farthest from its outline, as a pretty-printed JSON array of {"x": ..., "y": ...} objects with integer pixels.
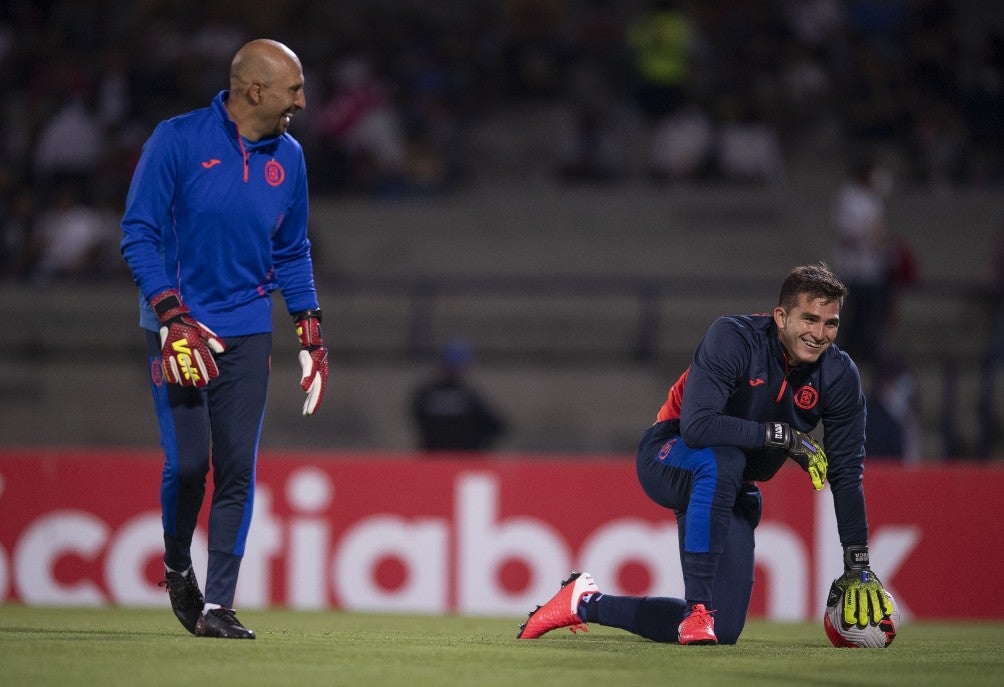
[
  {"x": 186, "y": 597},
  {"x": 221, "y": 622}
]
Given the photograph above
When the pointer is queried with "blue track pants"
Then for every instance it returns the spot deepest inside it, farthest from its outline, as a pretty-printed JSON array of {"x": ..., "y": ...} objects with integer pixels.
[
  {"x": 218, "y": 425},
  {"x": 716, "y": 514}
]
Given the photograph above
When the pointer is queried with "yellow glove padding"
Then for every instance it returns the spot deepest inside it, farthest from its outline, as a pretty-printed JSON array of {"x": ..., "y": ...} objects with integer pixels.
[
  {"x": 809, "y": 454},
  {"x": 865, "y": 600}
]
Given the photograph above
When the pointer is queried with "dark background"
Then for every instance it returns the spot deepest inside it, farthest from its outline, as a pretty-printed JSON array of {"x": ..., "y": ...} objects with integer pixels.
[{"x": 508, "y": 194}]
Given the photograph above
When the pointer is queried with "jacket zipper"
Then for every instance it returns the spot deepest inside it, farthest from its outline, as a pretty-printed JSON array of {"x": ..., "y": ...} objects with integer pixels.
[
  {"x": 784, "y": 381},
  {"x": 244, "y": 152}
]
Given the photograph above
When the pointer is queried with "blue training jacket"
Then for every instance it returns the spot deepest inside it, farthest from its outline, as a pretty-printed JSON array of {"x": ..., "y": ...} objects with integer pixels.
[
  {"x": 221, "y": 219},
  {"x": 739, "y": 380}
]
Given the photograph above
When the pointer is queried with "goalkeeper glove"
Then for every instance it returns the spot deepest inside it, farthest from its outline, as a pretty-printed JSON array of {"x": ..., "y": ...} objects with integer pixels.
[
  {"x": 801, "y": 448},
  {"x": 313, "y": 358},
  {"x": 865, "y": 599},
  {"x": 187, "y": 346}
]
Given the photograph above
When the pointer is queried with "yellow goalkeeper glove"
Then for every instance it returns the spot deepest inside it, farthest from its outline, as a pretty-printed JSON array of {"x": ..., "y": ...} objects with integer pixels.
[
  {"x": 865, "y": 600},
  {"x": 801, "y": 448}
]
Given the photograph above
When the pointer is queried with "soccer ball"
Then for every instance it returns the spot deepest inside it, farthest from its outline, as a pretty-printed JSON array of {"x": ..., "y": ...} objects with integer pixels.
[{"x": 869, "y": 637}]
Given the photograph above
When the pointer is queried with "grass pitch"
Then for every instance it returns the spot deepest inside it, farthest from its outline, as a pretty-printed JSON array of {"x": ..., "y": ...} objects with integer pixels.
[{"x": 113, "y": 646}]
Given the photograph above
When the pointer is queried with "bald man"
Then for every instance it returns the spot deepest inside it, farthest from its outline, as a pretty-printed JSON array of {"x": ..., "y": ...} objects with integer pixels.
[{"x": 215, "y": 220}]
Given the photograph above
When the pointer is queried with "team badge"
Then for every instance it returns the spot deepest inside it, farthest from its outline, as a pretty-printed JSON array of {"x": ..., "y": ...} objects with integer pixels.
[
  {"x": 157, "y": 371},
  {"x": 806, "y": 397},
  {"x": 274, "y": 173},
  {"x": 666, "y": 448}
]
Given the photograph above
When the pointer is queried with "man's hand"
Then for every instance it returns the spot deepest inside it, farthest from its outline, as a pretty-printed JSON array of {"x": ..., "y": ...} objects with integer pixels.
[
  {"x": 313, "y": 358},
  {"x": 865, "y": 600},
  {"x": 187, "y": 346},
  {"x": 801, "y": 448}
]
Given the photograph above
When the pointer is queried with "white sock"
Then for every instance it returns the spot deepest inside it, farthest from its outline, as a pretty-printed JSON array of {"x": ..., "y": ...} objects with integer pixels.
[
  {"x": 208, "y": 607},
  {"x": 180, "y": 572}
]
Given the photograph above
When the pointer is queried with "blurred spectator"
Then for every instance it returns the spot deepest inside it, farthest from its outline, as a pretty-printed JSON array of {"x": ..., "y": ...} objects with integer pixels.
[
  {"x": 449, "y": 413},
  {"x": 994, "y": 291},
  {"x": 938, "y": 144},
  {"x": 882, "y": 23},
  {"x": 993, "y": 359},
  {"x": 69, "y": 144},
  {"x": 592, "y": 141},
  {"x": 20, "y": 213},
  {"x": 534, "y": 48},
  {"x": 662, "y": 41},
  {"x": 429, "y": 110},
  {"x": 939, "y": 139},
  {"x": 861, "y": 259},
  {"x": 982, "y": 102},
  {"x": 893, "y": 420},
  {"x": 113, "y": 95},
  {"x": 814, "y": 22},
  {"x": 807, "y": 91},
  {"x": 748, "y": 149},
  {"x": 873, "y": 97},
  {"x": 73, "y": 239},
  {"x": 683, "y": 146},
  {"x": 360, "y": 126},
  {"x": 589, "y": 143},
  {"x": 909, "y": 78},
  {"x": 933, "y": 44}
]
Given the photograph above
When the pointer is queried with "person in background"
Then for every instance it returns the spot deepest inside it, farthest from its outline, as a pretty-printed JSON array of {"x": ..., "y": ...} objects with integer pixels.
[
  {"x": 893, "y": 425},
  {"x": 757, "y": 385},
  {"x": 862, "y": 257},
  {"x": 215, "y": 220},
  {"x": 991, "y": 305},
  {"x": 449, "y": 413}
]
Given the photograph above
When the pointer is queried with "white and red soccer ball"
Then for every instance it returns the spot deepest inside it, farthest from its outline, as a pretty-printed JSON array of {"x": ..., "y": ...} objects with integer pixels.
[{"x": 871, "y": 636}]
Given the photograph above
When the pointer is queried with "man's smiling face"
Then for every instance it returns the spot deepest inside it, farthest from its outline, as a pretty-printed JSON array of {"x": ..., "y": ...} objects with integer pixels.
[
  {"x": 809, "y": 328},
  {"x": 282, "y": 99}
]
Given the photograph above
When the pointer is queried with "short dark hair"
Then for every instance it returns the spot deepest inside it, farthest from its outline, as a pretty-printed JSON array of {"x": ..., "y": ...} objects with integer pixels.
[{"x": 817, "y": 281}]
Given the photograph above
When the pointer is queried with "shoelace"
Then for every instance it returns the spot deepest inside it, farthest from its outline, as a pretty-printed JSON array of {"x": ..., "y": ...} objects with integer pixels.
[
  {"x": 227, "y": 614},
  {"x": 700, "y": 614},
  {"x": 188, "y": 582}
]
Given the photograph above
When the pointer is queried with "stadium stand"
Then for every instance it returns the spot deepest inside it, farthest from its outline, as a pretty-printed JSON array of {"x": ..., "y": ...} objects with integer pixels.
[{"x": 582, "y": 299}]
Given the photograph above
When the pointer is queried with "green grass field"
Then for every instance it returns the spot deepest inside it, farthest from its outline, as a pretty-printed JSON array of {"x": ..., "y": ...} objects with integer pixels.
[{"x": 111, "y": 646}]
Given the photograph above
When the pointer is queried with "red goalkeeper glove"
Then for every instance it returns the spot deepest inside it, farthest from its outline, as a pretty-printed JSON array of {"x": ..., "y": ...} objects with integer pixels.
[
  {"x": 313, "y": 358},
  {"x": 187, "y": 345}
]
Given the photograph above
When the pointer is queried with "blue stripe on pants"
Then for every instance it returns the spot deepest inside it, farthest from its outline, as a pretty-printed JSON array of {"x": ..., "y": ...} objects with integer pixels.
[
  {"x": 682, "y": 478},
  {"x": 703, "y": 483},
  {"x": 701, "y": 486}
]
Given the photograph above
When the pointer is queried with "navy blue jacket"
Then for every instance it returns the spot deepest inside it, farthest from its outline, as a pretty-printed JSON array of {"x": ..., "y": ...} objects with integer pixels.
[{"x": 739, "y": 380}]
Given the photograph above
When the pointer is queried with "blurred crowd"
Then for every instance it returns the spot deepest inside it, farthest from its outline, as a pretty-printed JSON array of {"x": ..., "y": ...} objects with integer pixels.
[{"x": 720, "y": 90}]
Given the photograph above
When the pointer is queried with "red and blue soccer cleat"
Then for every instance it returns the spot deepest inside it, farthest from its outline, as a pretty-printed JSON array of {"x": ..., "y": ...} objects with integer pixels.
[
  {"x": 698, "y": 627},
  {"x": 560, "y": 610}
]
